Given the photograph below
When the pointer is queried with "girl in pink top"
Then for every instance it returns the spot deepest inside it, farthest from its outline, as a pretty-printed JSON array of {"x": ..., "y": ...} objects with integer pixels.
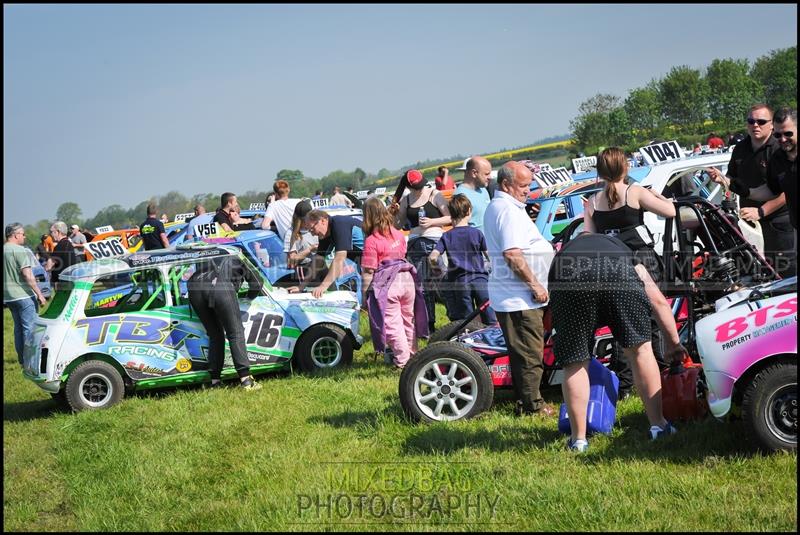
[{"x": 384, "y": 242}]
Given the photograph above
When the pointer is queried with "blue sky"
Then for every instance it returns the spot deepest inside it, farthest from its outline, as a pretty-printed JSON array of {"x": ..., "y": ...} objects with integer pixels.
[{"x": 112, "y": 104}]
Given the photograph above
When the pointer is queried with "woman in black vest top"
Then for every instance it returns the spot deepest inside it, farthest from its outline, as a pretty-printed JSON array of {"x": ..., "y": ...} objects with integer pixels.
[{"x": 618, "y": 211}]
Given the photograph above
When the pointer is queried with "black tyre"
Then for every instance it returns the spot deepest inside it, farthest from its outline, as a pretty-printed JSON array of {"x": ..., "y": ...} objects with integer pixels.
[
  {"x": 450, "y": 331},
  {"x": 323, "y": 347},
  {"x": 94, "y": 385},
  {"x": 769, "y": 407},
  {"x": 445, "y": 381}
]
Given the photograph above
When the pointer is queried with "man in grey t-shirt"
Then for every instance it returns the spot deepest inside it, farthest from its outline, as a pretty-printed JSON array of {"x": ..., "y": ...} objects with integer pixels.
[
  {"x": 21, "y": 294},
  {"x": 78, "y": 241}
]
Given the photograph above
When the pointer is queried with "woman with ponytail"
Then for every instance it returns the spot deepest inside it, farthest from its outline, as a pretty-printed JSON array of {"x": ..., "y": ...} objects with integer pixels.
[{"x": 618, "y": 211}]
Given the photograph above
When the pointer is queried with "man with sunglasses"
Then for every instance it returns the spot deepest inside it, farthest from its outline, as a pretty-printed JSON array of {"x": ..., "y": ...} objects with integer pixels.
[
  {"x": 747, "y": 177},
  {"x": 782, "y": 168}
]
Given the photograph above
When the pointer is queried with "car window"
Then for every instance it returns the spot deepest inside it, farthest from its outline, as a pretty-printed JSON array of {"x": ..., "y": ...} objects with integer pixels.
[
  {"x": 178, "y": 277},
  {"x": 694, "y": 181},
  {"x": 266, "y": 251},
  {"x": 126, "y": 292},
  {"x": 133, "y": 240}
]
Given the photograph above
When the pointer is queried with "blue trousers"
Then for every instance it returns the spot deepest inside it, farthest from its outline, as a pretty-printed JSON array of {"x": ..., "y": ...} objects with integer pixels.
[
  {"x": 417, "y": 254},
  {"x": 24, "y": 313},
  {"x": 465, "y": 295}
]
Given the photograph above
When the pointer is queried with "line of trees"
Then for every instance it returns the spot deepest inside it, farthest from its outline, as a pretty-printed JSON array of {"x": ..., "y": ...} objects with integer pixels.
[{"x": 687, "y": 102}]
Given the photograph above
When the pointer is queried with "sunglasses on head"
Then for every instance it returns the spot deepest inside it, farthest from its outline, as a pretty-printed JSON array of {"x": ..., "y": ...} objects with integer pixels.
[
  {"x": 761, "y": 122},
  {"x": 788, "y": 134}
]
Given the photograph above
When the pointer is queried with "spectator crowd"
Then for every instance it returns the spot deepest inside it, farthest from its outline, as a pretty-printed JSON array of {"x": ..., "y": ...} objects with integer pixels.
[{"x": 497, "y": 261}]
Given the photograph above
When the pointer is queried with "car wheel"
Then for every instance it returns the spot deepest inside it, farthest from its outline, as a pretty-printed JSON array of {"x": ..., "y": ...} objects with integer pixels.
[
  {"x": 94, "y": 385},
  {"x": 450, "y": 331},
  {"x": 323, "y": 347},
  {"x": 769, "y": 407},
  {"x": 445, "y": 381}
]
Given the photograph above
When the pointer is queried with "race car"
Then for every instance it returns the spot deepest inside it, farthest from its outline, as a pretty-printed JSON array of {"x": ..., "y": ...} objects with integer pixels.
[
  {"x": 264, "y": 248},
  {"x": 748, "y": 349},
  {"x": 90, "y": 352},
  {"x": 113, "y": 243},
  {"x": 560, "y": 206}
]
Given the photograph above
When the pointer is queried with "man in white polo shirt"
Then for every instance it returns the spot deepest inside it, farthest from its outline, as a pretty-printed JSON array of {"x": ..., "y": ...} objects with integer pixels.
[{"x": 521, "y": 260}]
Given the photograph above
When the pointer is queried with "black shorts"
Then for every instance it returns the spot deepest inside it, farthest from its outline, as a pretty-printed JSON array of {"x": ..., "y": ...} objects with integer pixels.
[{"x": 590, "y": 298}]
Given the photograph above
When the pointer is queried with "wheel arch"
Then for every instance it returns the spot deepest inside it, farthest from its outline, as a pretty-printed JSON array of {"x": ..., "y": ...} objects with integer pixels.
[
  {"x": 104, "y": 357},
  {"x": 347, "y": 330},
  {"x": 740, "y": 385}
]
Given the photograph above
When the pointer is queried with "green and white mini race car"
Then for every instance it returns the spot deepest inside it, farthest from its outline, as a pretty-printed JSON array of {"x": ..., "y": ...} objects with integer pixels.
[{"x": 120, "y": 325}]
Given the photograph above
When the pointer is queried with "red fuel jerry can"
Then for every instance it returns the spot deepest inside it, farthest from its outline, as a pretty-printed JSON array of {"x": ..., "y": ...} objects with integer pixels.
[{"x": 683, "y": 393}]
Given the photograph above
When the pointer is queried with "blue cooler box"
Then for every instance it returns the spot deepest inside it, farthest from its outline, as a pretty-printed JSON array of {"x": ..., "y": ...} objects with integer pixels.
[{"x": 602, "y": 410}]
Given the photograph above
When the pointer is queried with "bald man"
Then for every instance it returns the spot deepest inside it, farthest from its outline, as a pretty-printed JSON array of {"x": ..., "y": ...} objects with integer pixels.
[
  {"x": 476, "y": 178},
  {"x": 521, "y": 257}
]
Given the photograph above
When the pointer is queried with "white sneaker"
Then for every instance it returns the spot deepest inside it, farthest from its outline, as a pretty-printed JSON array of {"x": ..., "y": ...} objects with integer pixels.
[
  {"x": 580, "y": 445},
  {"x": 657, "y": 432}
]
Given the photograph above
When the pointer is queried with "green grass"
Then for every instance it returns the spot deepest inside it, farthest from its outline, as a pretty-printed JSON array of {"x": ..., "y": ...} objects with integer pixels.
[{"x": 192, "y": 460}]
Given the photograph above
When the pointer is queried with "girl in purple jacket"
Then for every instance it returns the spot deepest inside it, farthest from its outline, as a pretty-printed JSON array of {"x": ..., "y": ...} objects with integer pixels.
[{"x": 392, "y": 296}]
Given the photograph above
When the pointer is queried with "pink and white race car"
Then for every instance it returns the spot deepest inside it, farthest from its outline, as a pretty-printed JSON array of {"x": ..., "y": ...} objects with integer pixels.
[{"x": 748, "y": 348}]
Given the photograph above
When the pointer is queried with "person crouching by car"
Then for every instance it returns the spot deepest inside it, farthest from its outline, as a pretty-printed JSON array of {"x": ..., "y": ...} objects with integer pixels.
[
  {"x": 341, "y": 235},
  {"x": 592, "y": 281},
  {"x": 213, "y": 294},
  {"x": 392, "y": 295}
]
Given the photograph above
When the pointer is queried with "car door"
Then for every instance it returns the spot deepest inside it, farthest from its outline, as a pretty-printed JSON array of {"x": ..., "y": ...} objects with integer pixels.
[{"x": 267, "y": 339}]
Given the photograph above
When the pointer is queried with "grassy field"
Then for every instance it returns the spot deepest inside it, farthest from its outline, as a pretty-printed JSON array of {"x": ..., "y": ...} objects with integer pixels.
[{"x": 335, "y": 453}]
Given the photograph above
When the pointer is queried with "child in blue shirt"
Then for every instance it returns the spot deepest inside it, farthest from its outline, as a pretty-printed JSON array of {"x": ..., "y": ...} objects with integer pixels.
[{"x": 467, "y": 277}]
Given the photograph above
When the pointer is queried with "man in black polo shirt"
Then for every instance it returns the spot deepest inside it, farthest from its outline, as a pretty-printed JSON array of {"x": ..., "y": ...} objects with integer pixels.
[
  {"x": 63, "y": 254},
  {"x": 747, "y": 177},
  {"x": 228, "y": 216},
  {"x": 154, "y": 236},
  {"x": 782, "y": 168},
  {"x": 223, "y": 217},
  {"x": 342, "y": 234}
]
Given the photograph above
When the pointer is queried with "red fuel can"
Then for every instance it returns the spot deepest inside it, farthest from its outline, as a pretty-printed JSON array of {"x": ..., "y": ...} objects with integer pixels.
[{"x": 683, "y": 392}]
